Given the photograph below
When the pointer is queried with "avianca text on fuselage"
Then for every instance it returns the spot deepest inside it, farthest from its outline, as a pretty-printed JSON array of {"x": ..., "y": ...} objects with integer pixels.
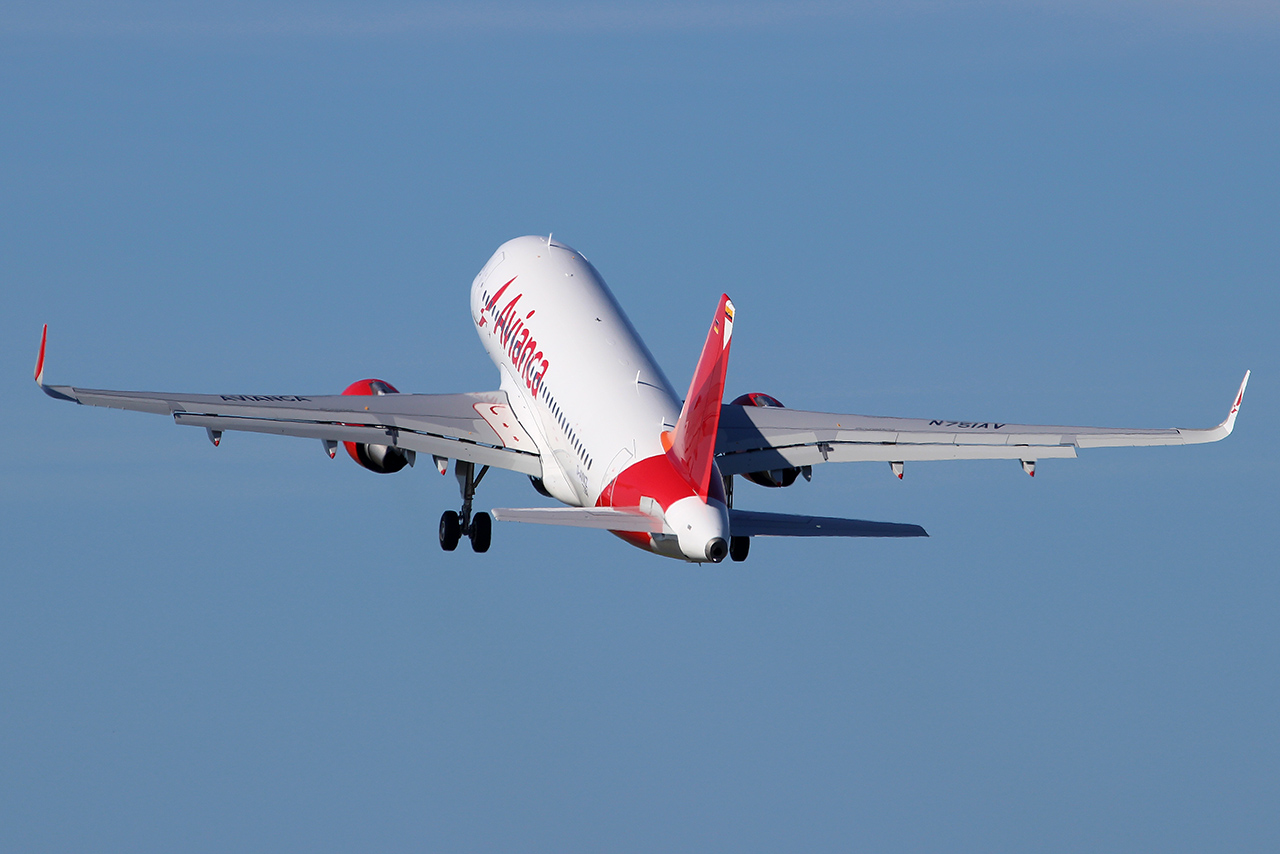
[
  {"x": 517, "y": 339},
  {"x": 600, "y": 432}
]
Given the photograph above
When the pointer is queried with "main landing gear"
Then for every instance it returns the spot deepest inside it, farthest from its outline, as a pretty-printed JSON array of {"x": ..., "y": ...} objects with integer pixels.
[
  {"x": 455, "y": 525},
  {"x": 738, "y": 546}
]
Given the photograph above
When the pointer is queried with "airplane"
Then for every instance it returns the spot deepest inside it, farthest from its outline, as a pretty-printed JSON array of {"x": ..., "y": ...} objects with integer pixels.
[{"x": 585, "y": 412}]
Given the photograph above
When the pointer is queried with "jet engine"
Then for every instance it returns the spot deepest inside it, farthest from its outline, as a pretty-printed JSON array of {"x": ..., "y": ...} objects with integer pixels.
[
  {"x": 384, "y": 459},
  {"x": 772, "y": 477}
]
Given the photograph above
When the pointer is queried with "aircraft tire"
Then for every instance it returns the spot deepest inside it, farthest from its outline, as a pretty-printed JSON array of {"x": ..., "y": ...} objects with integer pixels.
[
  {"x": 450, "y": 530},
  {"x": 481, "y": 532},
  {"x": 738, "y": 548}
]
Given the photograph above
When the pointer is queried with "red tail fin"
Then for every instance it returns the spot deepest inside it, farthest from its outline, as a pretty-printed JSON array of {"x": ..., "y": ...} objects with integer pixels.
[{"x": 693, "y": 442}]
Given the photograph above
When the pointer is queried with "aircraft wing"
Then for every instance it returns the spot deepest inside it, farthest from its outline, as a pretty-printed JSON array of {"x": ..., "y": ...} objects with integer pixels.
[
  {"x": 757, "y": 438},
  {"x": 478, "y": 427}
]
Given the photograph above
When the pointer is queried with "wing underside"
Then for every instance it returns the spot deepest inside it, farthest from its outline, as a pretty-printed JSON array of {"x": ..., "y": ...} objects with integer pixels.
[
  {"x": 761, "y": 438},
  {"x": 477, "y": 427}
]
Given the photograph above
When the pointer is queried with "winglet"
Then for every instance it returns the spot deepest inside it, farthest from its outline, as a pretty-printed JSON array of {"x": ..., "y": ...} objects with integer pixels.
[
  {"x": 1230, "y": 423},
  {"x": 1223, "y": 430},
  {"x": 56, "y": 393},
  {"x": 44, "y": 337}
]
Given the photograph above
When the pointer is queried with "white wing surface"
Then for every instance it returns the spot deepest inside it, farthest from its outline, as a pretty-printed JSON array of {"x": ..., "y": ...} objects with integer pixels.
[
  {"x": 757, "y": 438},
  {"x": 447, "y": 425},
  {"x": 478, "y": 427}
]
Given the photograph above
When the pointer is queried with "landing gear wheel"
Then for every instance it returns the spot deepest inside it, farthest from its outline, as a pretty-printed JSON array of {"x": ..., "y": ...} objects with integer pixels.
[
  {"x": 453, "y": 525},
  {"x": 481, "y": 532},
  {"x": 450, "y": 530},
  {"x": 738, "y": 548}
]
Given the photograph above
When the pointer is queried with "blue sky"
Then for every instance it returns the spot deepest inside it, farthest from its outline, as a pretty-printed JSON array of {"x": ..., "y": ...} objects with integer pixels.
[{"x": 1051, "y": 212}]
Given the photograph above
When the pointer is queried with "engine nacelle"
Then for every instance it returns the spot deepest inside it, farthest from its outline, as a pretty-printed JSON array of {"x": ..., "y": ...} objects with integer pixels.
[
  {"x": 384, "y": 459},
  {"x": 772, "y": 477}
]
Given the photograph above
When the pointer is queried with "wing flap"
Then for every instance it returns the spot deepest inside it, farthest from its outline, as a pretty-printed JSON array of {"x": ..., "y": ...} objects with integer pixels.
[
  {"x": 856, "y": 452},
  {"x": 439, "y": 445}
]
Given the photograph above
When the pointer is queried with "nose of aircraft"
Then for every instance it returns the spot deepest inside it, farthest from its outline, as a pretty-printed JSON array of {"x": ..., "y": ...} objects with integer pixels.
[{"x": 701, "y": 527}]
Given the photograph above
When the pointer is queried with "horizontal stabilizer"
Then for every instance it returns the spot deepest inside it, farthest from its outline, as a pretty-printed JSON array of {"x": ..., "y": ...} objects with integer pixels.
[
  {"x": 749, "y": 523},
  {"x": 604, "y": 518}
]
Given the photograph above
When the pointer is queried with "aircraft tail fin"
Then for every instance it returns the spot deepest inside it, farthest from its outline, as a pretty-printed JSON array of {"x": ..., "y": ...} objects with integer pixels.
[{"x": 693, "y": 442}]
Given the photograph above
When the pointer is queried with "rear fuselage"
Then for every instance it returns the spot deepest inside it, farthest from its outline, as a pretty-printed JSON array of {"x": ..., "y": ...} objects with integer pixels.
[{"x": 587, "y": 390}]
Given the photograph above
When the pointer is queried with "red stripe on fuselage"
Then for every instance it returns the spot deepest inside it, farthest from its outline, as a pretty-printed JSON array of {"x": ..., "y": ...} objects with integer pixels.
[{"x": 660, "y": 478}]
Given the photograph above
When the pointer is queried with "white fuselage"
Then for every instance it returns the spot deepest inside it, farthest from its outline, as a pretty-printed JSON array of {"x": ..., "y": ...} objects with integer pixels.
[{"x": 586, "y": 389}]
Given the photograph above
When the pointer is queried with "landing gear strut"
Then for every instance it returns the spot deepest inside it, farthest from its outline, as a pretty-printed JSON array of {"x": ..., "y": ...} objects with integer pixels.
[
  {"x": 453, "y": 526},
  {"x": 738, "y": 546}
]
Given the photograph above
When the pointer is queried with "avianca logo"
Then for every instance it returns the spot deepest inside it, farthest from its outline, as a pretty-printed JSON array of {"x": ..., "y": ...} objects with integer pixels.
[{"x": 517, "y": 338}]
